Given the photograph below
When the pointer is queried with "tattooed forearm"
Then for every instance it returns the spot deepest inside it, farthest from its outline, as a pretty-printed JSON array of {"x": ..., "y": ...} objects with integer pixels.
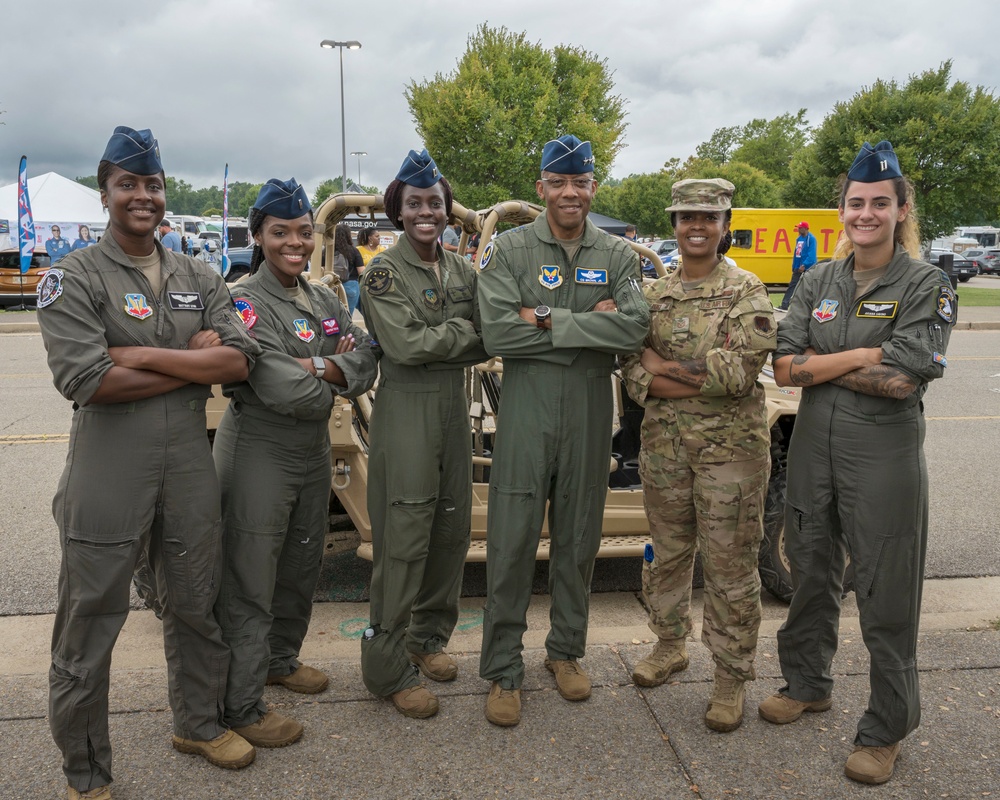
[
  {"x": 800, "y": 377},
  {"x": 691, "y": 373},
  {"x": 878, "y": 381}
]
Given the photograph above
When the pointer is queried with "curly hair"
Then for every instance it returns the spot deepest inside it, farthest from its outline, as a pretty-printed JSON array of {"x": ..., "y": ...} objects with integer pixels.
[
  {"x": 906, "y": 233},
  {"x": 393, "y": 199},
  {"x": 342, "y": 242}
]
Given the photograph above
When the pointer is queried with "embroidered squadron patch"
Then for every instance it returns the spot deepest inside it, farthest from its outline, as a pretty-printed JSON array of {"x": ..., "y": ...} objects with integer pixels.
[
  {"x": 302, "y": 330},
  {"x": 331, "y": 327},
  {"x": 594, "y": 276},
  {"x": 460, "y": 294},
  {"x": 136, "y": 306},
  {"x": 487, "y": 255},
  {"x": 682, "y": 324},
  {"x": 873, "y": 310},
  {"x": 550, "y": 277},
  {"x": 246, "y": 309},
  {"x": 378, "y": 281},
  {"x": 826, "y": 310},
  {"x": 946, "y": 304},
  {"x": 49, "y": 288},
  {"x": 763, "y": 325},
  {"x": 940, "y": 359},
  {"x": 431, "y": 299},
  {"x": 185, "y": 301}
]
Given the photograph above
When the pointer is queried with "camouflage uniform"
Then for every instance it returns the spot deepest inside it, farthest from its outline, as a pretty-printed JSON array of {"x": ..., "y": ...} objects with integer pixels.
[{"x": 705, "y": 460}]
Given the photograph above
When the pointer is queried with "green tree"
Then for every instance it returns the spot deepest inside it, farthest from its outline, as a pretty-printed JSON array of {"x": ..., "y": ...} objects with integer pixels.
[
  {"x": 769, "y": 145},
  {"x": 947, "y": 137},
  {"x": 640, "y": 199},
  {"x": 485, "y": 124},
  {"x": 754, "y": 188},
  {"x": 90, "y": 181},
  {"x": 720, "y": 146},
  {"x": 808, "y": 185},
  {"x": 332, "y": 186}
]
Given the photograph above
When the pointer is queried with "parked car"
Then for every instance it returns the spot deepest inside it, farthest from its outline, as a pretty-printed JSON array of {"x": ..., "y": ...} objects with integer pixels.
[
  {"x": 239, "y": 263},
  {"x": 988, "y": 261},
  {"x": 962, "y": 268},
  {"x": 12, "y": 281}
]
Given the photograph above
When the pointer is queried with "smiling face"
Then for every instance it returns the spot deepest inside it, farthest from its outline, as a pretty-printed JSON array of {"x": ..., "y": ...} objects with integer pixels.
[
  {"x": 567, "y": 199},
  {"x": 870, "y": 213},
  {"x": 287, "y": 245},
  {"x": 699, "y": 233},
  {"x": 423, "y": 216},
  {"x": 135, "y": 203}
]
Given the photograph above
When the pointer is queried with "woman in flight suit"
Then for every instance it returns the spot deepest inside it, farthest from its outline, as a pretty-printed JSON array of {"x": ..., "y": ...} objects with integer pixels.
[
  {"x": 136, "y": 336},
  {"x": 419, "y": 302},
  {"x": 705, "y": 457},
  {"x": 864, "y": 336},
  {"x": 272, "y": 453}
]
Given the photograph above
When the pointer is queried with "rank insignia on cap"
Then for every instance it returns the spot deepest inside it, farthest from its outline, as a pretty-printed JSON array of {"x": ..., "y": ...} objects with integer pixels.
[
  {"x": 431, "y": 299},
  {"x": 594, "y": 276},
  {"x": 872, "y": 310},
  {"x": 136, "y": 306},
  {"x": 550, "y": 277},
  {"x": 946, "y": 304},
  {"x": 378, "y": 281},
  {"x": 826, "y": 310},
  {"x": 246, "y": 309},
  {"x": 49, "y": 288},
  {"x": 303, "y": 331},
  {"x": 331, "y": 327},
  {"x": 487, "y": 254},
  {"x": 940, "y": 359}
]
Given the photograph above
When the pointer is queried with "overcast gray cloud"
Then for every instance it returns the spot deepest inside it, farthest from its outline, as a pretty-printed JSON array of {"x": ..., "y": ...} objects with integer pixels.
[{"x": 245, "y": 81}]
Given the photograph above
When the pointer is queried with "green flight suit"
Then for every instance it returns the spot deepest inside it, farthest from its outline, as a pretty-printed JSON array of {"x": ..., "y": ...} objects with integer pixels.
[
  {"x": 705, "y": 460},
  {"x": 420, "y": 456},
  {"x": 857, "y": 477},
  {"x": 138, "y": 477},
  {"x": 272, "y": 454},
  {"x": 553, "y": 438}
]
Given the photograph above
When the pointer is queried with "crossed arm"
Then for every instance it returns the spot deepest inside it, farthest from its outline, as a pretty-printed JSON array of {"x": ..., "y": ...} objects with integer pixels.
[
  {"x": 674, "y": 379},
  {"x": 860, "y": 370}
]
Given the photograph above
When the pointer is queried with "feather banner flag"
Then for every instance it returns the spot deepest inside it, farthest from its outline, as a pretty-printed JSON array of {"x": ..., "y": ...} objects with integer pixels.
[{"x": 25, "y": 223}]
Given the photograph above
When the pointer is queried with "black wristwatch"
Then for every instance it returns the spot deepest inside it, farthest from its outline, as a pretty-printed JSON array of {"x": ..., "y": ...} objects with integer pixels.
[
  {"x": 542, "y": 313},
  {"x": 320, "y": 364}
]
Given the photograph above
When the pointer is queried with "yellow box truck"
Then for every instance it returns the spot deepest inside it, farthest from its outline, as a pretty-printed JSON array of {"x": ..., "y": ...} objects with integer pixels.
[{"x": 763, "y": 238}]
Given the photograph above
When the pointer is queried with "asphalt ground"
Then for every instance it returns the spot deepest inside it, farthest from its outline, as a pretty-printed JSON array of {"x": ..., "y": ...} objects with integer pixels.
[{"x": 624, "y": 742}]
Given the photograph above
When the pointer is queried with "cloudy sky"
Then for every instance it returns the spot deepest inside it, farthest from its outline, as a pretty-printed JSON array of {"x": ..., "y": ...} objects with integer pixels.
[{"x": 246, "y": 82}]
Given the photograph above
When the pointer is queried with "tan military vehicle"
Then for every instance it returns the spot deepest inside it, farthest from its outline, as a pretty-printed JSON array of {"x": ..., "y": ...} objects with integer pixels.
[{"x": 626, "y": 530}]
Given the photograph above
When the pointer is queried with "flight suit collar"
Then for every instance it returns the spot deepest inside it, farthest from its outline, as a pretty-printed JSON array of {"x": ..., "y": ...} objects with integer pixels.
[
  {"x": 409, "y": 255},
  {"x": 269, "y": 282},
  {"x": 898, "y": 265},
  {"x": 540, "y": 225},
  {"x": 109, "y": 247}
]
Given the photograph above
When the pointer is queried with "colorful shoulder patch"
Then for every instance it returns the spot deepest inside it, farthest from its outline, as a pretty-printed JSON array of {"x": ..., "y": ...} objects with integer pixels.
[
  {"x": 940, "y": 359},
  {"x": 549, "y": 276},
  {"x": 826, "y": 310},
  {"x": 484, "y": 261},
  {"x": 946, "y": 304},
  {"x": 49, "y": 288},
  {"x": 136, "y": 306},
  {"x": 378, "y": 280},
  {"x": 301, "y": 329},
  {"x": 593, "y": 276},
  {"x": 330, "y": 326},
  {"x": 431, "y": 299},
  {"x": 878, "y": 310},
  {"x": 246, "y": 309}
]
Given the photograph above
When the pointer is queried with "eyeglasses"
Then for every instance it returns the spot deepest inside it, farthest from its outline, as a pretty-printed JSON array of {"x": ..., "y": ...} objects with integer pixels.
[{"x": 558, "y": 184}]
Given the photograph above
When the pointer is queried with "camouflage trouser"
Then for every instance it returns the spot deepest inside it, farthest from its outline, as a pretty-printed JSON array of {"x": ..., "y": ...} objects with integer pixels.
[{"x": 717, "y": 509}]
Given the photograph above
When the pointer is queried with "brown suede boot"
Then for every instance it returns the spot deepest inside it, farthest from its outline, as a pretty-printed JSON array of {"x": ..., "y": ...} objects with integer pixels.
[
  {"x": 872, "y": 764},
  {"x": 503, "y": 706},
  {"x": 667, "y": 658},
  {"x": 725, "y": 706}
]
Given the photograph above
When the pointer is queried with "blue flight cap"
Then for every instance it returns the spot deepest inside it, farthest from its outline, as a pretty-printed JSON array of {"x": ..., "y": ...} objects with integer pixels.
[
  {"x": 135, "y": 151},
  {"x": 419, "y": 169},
  {"x": 282, "y": 199},
  {"x": 873, "y": 164},
  {"x": 567, "y": 155}
]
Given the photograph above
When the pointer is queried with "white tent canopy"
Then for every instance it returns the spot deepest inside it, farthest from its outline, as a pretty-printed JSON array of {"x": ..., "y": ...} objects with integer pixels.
[{"x": 54, "y": 199}]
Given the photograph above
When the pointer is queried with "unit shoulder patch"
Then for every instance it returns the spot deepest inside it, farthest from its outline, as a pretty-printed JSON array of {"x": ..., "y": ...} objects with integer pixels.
[{"x": 378, "y": 280}]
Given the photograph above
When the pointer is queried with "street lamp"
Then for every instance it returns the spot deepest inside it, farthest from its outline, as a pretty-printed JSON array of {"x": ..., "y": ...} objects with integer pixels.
[
  {"x": 329, "y": 44},
  {"x": 359, "y": 153}
]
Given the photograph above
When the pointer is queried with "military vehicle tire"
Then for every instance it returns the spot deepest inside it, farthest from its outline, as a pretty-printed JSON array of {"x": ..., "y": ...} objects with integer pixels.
[{"x": 775, "y": 571}]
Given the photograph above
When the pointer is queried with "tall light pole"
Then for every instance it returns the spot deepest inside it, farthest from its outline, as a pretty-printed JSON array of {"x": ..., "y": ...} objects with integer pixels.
[
  {"x": 329, "y": 44},
  {"x": 359, "y": 153}
]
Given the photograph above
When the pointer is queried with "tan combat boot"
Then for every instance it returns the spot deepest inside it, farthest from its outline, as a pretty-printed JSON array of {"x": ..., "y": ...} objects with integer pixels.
[
  {"x": 503, "y": 706},
  {"x": 305, "y": 680},
  {"x": 725, "y": 706},
  {"x": 437, "y": 666},
  {"x": 782, "y": 709},
  {"x": 99, "y": 793},
  {"x": 271, "y": 730},
  {"x": 571, "y": 681},
  {"x": 415, "y": 702},
  {"x": 872, "y": 764},
  {"x": 229, "y": 751},
  {"x": 667, "y": 658}
]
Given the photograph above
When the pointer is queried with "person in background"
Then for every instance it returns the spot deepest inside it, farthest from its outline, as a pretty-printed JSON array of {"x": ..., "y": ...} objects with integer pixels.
[
  {"x": 559, "y": 299},
  {"x": 419, "y": 303},
  {"x": 864, "y": 336},
  {"x": 84, "y": 240},
  {"x": 139, "y": 476},
  {"x": 272, "y": 454},
  {"x": 451, "y": 237},
  {"x": 169, "y": 238},
  {"x": 803, "y": 258},
  {"x": 369, "y": 246},
  {"x": 705, "y": 449},
  {"x": 343, "y": 246},
  {"x": 630, "y": 233},
  {"x": 56, "y": 246}
]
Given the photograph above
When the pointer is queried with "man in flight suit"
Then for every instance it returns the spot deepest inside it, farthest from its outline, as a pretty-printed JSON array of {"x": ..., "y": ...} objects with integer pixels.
[{"x": 559, "y": 299}]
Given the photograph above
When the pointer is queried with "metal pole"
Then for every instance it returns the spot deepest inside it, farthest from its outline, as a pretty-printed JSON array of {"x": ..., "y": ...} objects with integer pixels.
[{"x": 343, "y": 124}]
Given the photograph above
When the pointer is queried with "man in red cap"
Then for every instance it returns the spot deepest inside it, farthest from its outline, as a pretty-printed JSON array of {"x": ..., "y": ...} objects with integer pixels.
[{"x": 805, "y": 257}]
